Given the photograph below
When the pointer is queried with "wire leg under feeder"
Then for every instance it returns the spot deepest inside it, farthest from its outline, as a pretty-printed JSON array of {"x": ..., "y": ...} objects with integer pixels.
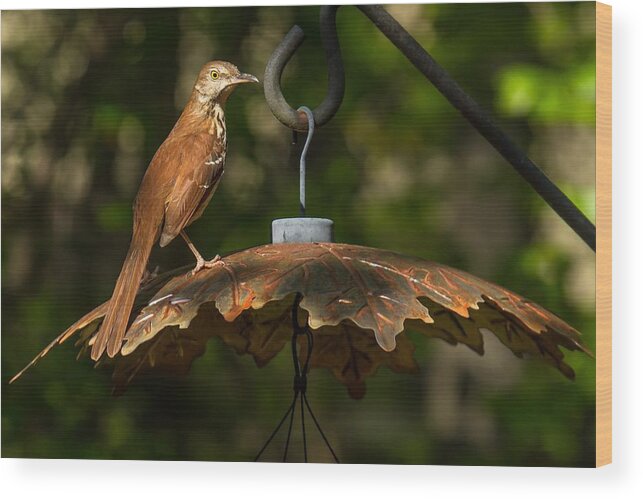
[
  {"x": 276, "y": 430},
  {"x": 299, "y": 393}
]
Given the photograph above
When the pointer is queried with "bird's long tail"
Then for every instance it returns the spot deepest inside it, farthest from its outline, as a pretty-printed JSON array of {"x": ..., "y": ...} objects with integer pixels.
[
  {"x": 114, "y": 325},
  {"x": 81, "y": 323}
]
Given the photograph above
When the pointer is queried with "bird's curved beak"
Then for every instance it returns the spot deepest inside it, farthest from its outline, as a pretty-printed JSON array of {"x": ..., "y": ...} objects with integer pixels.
[{"x": 246, "y": 78}]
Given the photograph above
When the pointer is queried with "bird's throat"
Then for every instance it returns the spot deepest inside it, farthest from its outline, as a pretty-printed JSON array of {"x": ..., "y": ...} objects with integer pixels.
[
  {"x": 217, "y": 118},
  {"x": 206, "y": 112}
]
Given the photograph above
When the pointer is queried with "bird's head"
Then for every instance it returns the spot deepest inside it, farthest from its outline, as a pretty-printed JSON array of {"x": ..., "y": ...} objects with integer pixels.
[{"x": 217, "y": 80}]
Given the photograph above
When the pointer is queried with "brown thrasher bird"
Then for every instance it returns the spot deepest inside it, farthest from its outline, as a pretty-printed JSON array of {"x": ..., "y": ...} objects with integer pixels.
[{"x": 175, "y": 189}]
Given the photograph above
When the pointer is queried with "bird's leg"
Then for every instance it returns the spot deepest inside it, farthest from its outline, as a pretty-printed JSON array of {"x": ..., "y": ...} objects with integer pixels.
[{"x": 200, "y": 262}]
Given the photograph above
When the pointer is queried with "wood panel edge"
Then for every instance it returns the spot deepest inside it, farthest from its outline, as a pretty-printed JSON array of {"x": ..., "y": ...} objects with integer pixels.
[{"x": 603, "y": 234}]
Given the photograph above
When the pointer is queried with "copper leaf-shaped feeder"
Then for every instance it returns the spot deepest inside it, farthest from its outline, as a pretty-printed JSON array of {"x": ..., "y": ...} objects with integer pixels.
[{"x": 356, "y": 300}]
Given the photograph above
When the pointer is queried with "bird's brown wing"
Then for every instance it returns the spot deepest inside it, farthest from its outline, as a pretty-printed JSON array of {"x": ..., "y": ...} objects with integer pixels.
[{"x": 201, "y": 167}]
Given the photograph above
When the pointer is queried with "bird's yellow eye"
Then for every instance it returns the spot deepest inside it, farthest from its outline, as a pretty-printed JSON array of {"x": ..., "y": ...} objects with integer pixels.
[{"x": 214, "y": 74}]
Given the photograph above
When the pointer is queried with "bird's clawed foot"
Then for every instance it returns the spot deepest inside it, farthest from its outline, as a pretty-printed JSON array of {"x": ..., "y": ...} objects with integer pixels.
[{"x": 207, "y": 264}]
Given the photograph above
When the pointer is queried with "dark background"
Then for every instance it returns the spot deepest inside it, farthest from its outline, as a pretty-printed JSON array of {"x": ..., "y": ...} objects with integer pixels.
[{"x": 88, "y": 96}]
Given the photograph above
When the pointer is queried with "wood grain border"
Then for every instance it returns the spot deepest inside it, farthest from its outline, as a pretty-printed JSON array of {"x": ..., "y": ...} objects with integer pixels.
[{"x": 603, "y": 234}]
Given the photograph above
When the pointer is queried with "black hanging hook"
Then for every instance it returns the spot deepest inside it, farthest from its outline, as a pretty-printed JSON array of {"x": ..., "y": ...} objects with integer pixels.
[{"x": 290, "y": 117}]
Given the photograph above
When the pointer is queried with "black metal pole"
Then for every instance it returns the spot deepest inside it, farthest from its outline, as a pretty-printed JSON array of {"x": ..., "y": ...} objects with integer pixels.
[{"x": 475, "y": 115}]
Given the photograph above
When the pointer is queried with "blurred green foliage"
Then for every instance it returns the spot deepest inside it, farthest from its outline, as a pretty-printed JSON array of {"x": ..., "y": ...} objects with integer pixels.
[{"x": 87, "y": 97}]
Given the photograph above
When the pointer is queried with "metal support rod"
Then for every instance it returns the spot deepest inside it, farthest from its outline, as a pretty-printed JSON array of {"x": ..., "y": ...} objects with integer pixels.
[
  {"x": 474, "y": 114},
  {"x": 302, "y": 159},
  {"x": 437, "y": 75}
]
